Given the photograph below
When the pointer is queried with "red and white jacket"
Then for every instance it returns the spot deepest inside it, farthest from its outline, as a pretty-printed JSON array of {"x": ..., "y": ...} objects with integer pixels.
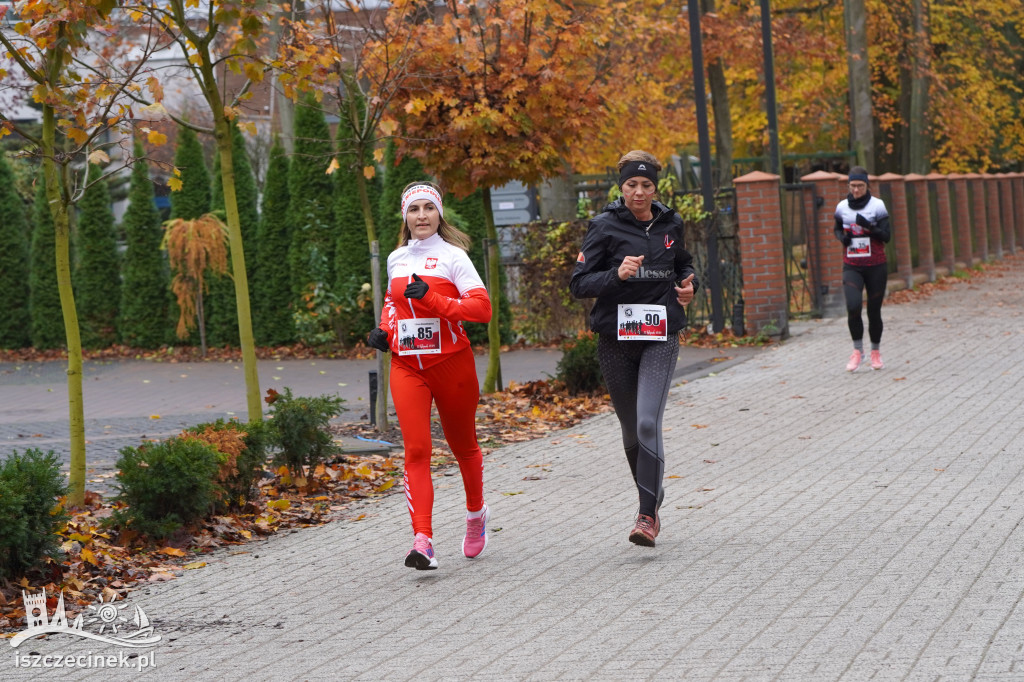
[{"x": 456, "y": 295}]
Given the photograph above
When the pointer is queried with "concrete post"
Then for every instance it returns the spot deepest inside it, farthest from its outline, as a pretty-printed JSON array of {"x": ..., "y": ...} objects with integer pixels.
[{"x": 960, "y": 195}]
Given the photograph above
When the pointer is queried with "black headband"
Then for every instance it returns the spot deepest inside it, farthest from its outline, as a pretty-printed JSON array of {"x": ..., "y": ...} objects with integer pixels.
[
  {"x": 863, "y": 177},
  {"x": 638, "y": 168}
]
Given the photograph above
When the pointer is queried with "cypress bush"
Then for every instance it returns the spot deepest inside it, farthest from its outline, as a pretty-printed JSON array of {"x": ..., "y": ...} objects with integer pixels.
[
  {"x": 272, "y": 305},
  {"x": 221, "y": 309},
  {"x": 14, "y": 264},
  {"x": 44, "y": 297},
  {"x": 310, "y": 196},
  {"x": 145, "y": 278},
  {"x": 97, "y": 272},
  {"x": 31, "y": 512},
  {"x": 397, "y": 174}
]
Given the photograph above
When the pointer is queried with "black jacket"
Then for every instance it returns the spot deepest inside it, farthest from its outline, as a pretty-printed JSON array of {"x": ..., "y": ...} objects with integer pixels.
[{"x": 615, "y": 234}]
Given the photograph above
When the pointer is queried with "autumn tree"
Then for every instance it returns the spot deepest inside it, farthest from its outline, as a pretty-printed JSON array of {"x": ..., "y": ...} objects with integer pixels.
[
  {"x": 503, "y": 93},
  {"x": 144, "y": 282},
  {"x": 14, "y": 263},
  {"x": 98, "y": 267},
  {"x": 82, "y": 107},
  {"x": 197, "y": 251},
  {"x": 273, "y": 297}
]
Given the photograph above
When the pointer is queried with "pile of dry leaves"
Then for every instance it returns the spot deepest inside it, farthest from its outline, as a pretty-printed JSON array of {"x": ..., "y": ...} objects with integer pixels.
[{"x": 102, "y": 563}]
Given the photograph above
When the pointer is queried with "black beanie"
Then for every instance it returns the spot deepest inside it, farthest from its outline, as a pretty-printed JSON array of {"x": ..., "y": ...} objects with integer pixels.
[{"x": 638, "y": 168}]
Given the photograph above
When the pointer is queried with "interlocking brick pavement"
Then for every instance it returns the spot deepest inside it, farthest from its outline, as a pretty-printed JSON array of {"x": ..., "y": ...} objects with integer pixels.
[{"x": 817, "y": 525}]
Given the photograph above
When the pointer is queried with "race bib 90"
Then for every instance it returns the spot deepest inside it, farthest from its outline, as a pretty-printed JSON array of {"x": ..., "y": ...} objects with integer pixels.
[
  {"x": 419, "y": 336},
  {"x": 642, "y": 322}
]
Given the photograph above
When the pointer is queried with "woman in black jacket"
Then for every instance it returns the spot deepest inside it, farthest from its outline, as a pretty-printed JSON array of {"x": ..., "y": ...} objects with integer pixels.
[{"x": 633, "y": 262}]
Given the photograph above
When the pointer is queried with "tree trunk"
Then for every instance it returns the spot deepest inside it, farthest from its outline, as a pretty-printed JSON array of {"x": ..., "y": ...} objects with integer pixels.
[
  {"x": 493, "y": 255},
  {"x": 383, "y": 367},
  {"x": 862, "y": 130},
  {"x": 720, "y": 112},
  {"x": 57, "y": 196},
  {"x": 918, "y": 133}
]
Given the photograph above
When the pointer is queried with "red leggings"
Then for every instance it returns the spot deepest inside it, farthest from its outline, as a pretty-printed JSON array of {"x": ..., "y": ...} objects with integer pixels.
[{"x": 453, "y": 385}]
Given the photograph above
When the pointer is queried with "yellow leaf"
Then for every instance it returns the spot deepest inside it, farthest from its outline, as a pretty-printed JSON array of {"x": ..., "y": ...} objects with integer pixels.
[
  {"x": 279, "y": 504},
  {"x": 174, "y": 184},
  {"x": 194, "y": 565},
  {"x": 87, "y": 555},
  {"x": 386, "y": 484},
  {"x": 333, "y": 166},
  {"x": 172, "y": 551},
  {"x": 369, "y": 172},
  {"x": 99, "y": 157},
  {"x": 156, "y": 137}
]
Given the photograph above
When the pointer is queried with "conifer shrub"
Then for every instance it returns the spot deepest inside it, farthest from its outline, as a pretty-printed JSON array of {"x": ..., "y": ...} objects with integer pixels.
[
  {"x": 31, "y": 510},
  {"x": 272, "y": 296},
  {"x": 311, "y": 195},
  {"x": 579, "y": 369},
  {"x": 97, "y": 273},
  {"x": 145, "y": 280},
  {"x": 14, "y": 263},
  {"x": 300, "y": 428},
  {"x": 244, "y": 449},
  {"x": 166, "y": 485},
  {"x": 44, "y": 296}
]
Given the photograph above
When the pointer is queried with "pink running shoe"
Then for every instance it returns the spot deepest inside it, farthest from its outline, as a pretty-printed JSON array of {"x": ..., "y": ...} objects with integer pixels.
[
  {"x": 476, "y": 534},
  {"x": 876, "y": 360},
  {"x": 855, "y": 359},
  {"x": 645, "y": 530},
  {"x": 421, "y": 556}
]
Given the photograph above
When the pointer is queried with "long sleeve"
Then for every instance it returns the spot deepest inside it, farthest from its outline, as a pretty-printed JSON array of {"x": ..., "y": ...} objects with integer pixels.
[
  {"x": 594, "y": 275},
  {"x": 840, "y": 231},
  {"x": 474, "y": 306}
]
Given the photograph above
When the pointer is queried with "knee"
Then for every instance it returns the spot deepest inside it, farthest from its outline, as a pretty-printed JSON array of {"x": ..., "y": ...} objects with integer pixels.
[{"x": 647, "y": 429}]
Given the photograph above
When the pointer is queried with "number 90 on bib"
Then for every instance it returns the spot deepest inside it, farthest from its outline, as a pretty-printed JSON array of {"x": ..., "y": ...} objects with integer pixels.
[{"x": 642, "y": 322}]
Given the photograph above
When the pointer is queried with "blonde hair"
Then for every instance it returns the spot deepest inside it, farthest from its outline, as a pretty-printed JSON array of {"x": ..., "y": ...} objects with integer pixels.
[
  {"x": 448, "y": 232},
  {"x": 639, "y": 155}
]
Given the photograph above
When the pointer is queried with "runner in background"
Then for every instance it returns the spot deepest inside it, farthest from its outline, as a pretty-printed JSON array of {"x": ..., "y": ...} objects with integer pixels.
[
  {"x": 862, "y": 225},
  {"x": 634, "y": 263},
  {"x": 432, "y": 289}
]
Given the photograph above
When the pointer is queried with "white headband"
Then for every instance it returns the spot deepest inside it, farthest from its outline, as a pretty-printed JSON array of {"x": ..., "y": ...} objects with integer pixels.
[{"x": 417, "y": 192}]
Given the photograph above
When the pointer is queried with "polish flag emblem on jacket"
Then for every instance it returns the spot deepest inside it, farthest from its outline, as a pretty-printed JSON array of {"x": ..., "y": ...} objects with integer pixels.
[
  {"x": 431, "y": 264},
  {"x": 669, "y": 242}
]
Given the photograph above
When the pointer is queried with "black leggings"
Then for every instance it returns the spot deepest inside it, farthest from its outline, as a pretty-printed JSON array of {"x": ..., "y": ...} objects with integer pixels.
[
  {"x": 855, "y": 279},
  {"x": 638, "y": 375}
]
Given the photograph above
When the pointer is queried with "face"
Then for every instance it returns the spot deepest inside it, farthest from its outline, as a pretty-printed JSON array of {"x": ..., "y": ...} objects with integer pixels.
[
  {"x": 422, "y": 219},
  {"x": 638, "y": 193},
  {"x": 858, "y": 188}
]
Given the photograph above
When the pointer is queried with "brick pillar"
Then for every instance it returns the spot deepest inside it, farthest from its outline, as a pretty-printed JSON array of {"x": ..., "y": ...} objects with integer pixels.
[
  {"x": 979, "y": 214},
  {"x": 900, "y": 228},
  {"x": 1018, "y": 206},
  {"x": 759, "y": 211},
  {"x": 1006, "y": 204},
  {"x": 923, "y": 227},
  {"x": 995, "y": 233},
  {"x": 825, "y": 253},
  {"x": 959, "y": 196},
  {"x": 945, "y": 216}
]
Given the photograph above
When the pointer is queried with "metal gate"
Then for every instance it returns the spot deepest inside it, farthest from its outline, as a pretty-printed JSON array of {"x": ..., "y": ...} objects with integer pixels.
[{"x": 802, "y": 248}]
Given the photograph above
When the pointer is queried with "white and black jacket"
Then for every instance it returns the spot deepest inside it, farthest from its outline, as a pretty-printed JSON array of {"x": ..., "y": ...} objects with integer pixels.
[{"x": 615, "y": 234}]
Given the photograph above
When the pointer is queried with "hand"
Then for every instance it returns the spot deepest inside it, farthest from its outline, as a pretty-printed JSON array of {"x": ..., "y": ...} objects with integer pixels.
[
  {"x": 684, "y": 292},
  {"x": 418, "y": 289},
  {"x": 863, "y": 222},
  {"x": 629, "y": 267},
  {"x": 378, "y": 339}
]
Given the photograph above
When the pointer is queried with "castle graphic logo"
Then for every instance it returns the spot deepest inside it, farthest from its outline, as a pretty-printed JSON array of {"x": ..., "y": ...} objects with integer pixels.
[{"x": 106, "y": 621}]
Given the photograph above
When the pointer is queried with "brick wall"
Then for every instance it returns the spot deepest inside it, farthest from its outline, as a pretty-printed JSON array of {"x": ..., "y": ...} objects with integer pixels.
[{"x": 759, "y": 209}]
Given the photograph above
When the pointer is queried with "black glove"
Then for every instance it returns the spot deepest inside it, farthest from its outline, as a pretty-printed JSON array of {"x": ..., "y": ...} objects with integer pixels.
[
  {"x": 418, "y": 289},
  {"x": 847, "y": 238},
  {"x": 863, "y": 222},
  {"x": 378, "y": 339}
]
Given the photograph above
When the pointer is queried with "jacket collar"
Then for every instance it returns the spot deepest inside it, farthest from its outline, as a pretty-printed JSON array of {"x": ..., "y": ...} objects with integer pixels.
[{"x": 622, "y": 212}]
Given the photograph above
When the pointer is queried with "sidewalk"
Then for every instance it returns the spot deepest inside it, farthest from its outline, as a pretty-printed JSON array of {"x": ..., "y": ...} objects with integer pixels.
[{"x": 817, "y": 525}]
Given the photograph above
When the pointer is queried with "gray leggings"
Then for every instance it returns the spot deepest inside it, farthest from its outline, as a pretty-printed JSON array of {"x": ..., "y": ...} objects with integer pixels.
[{"x": 638, "y": 375}]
